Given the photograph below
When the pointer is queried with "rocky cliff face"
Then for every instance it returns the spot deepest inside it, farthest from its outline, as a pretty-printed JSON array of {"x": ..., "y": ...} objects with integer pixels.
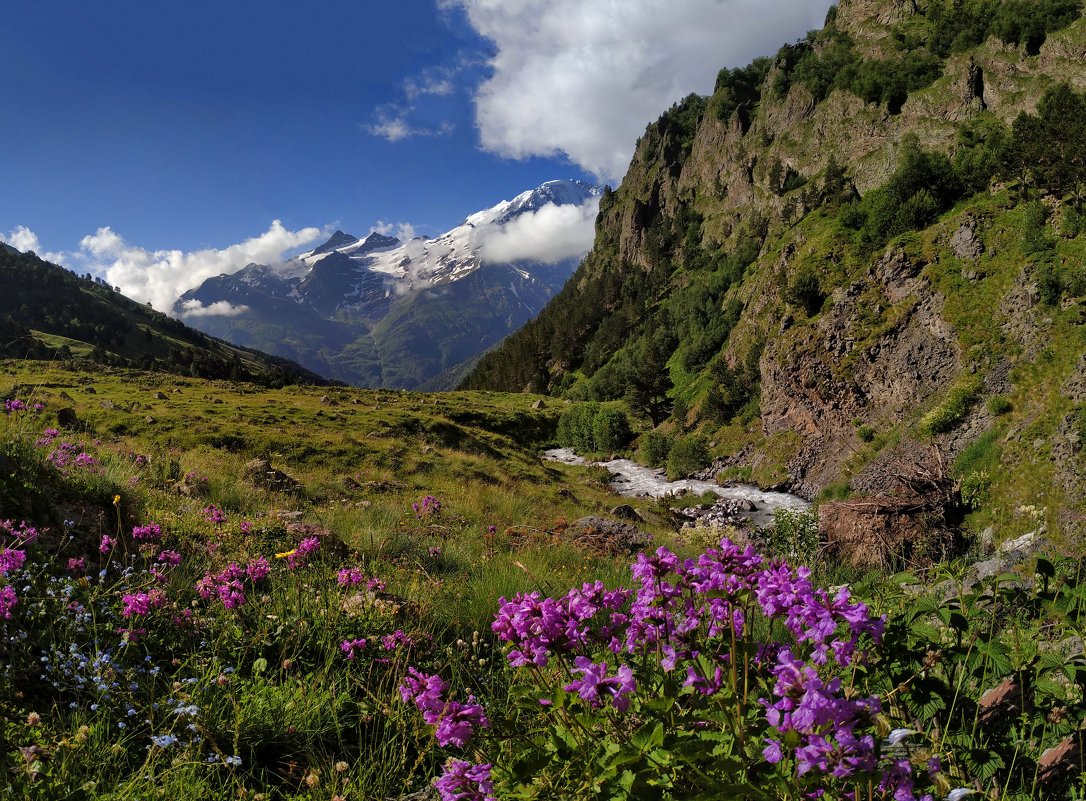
[{"x": 952, "y": 305}]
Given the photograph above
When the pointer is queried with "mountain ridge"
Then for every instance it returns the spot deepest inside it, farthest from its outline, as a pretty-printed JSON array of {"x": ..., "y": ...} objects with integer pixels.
[
  {"x": 787, "y": 269},
  {"x": 359, "y": 309}
]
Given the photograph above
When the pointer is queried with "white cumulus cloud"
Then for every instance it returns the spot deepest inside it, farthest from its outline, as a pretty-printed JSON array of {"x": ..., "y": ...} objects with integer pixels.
[
  {"x": 162, "y": 276},
  {"x": 22, "y": 238},
  {"x": 582, "y": 78},
  {"x": 220, "y": 308},
  {"x": 549, "y": 234},
  {"x": 403, "y": 231}
]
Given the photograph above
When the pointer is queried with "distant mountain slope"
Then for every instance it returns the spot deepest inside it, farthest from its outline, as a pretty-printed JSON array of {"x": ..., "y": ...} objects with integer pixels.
[
  {"x": 48, "y": 312},
  {"x": 867, "y": 246},
  {"x": 379, "y": 312}
]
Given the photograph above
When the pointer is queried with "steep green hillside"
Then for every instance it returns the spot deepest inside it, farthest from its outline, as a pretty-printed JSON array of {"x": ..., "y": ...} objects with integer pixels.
[
  {"x": 49, "y": 312},
  {"x": 864, "y": 247}
]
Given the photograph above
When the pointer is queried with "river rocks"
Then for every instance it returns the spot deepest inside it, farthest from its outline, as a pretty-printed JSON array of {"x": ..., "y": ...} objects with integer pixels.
[
  {"x": 723, "y": 513},
  {"x": 607, "y": 537}
]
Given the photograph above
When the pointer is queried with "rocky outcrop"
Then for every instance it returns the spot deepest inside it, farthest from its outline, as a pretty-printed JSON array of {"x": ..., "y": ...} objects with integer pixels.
[
  {"x": 260, "y": 473},
  {"x": 820, "y": 378}
]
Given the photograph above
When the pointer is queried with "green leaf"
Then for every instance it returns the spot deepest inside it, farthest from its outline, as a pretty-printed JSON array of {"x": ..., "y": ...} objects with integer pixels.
[
  {"x": 959, "y": 622},
  {"x": 983, "y": 763},
  {"x": 646, "y": 738},
  {"x": 259, "y": 666}
]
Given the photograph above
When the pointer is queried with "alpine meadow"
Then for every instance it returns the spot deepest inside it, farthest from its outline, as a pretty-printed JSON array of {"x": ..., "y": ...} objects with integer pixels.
[{"x": 764, "y": 476}]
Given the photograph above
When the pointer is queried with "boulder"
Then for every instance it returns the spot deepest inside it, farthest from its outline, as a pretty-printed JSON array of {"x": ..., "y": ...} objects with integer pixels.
[
  {"x": 260, "y": 473},
  {"x": 965, "y": 243},
  {"x": 607, "y": 537},
  {"x": 66, "y": 418},
  {"x": 625, "y": 512}
]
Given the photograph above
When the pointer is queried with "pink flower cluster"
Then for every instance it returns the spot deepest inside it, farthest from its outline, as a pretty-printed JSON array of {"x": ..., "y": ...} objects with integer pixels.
[
  {"x": 142, "y": 603},
  {"x": 455, "y": 722},
  {"x": 349, "y": 576},
  {"x": 427, "y": 507},
  {"x": 463, "y": 781},
  {"x": 11, "y": 559},
  {"x": 228, "y": 585},
  {"x": 298, "y": 557},
  {"x": 688, "y": 610},
  {"x": 24, "y": 533},
  {"x": 213, "y": 514},
  {"x": 148, "y": 533},
  {"x": 8, "y": 601},
  {"x": 350, "y": 647}
]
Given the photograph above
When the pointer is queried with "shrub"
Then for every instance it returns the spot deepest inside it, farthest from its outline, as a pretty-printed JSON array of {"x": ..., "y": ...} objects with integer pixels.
[
  {"x": 610, "y": 430},
  {"x": 575, "y": 427},
  {"x": 654, "y": 448},
  {"x": 999, "y": 404},
  {"x": 688, "y": 455},
  {"x": 793, "y": 535},
  {"x": 947, "y": 415},
  {"x": 805, "y": 290},
  {"x": 866, "y": 433}
]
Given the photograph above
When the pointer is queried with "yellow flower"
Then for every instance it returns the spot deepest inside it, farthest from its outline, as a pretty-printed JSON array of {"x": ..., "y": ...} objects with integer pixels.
[
  {"x": 285, "y": 555},
  {"x": 116, "y": 500}
]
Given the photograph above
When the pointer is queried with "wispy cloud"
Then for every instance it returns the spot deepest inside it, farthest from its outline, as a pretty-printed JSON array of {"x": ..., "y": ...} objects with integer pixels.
[
  {"x": 220, "y": 308},
  {"x": 438, "y": 81},
  {"x": 392, "y": 123},
  {"x": 583, "y": 79},
  {"x": 402, "y": 230}
]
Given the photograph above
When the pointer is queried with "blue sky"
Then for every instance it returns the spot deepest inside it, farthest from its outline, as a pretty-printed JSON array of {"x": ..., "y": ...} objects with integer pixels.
[{"x": 167, "y": 137}]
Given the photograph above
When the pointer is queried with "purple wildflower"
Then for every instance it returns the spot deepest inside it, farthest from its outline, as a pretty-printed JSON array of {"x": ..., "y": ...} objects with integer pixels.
[
  {"x": 349, "y": 576},
  {"x": 107, "y": 544},
  {"x": 349, "y": 647},
  {"x": 149, "y": 532},
  {"x": 594, "y": 684},
  {"x": 257, "y": 569},
  {"x": 463, "y": 781},
  {"x": 142, "y": 603},
  {"x": 427, "y": 507},
  {"x": 171, "y": 558},
  {"x": 8, "y": 601},
  {"x": 10, "y": 560},
  {"x": 213, "y": 514}
]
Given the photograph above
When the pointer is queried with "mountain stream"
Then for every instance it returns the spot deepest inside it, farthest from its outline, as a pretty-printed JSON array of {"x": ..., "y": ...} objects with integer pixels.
[{"x": 631, "y": 480}]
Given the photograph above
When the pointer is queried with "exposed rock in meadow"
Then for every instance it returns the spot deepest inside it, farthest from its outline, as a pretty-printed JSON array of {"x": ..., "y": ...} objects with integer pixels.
[
  {"x": 604, "y": 536},
  {"x": 260, "y": 473},
  {"x": 67, "y": 418}
]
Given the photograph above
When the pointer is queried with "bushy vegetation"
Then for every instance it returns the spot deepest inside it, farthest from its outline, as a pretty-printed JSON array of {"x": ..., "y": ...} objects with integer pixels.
[
  {"x": 653, "y": 448},
  {"x": 591, "y": 428},
  {"x": 952, "y": 411},
  {"x": 828, "y": 59},
  {"x": 687, "y": 456}
]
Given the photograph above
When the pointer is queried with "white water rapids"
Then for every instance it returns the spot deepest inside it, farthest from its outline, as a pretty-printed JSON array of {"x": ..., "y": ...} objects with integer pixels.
[{"x": 633, "y": 480}]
